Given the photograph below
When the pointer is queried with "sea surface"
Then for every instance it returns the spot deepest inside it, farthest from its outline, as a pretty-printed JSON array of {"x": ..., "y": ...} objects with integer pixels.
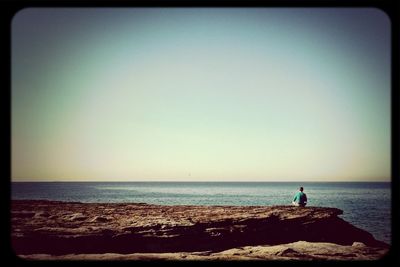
[{"x": 366, "y": 205}]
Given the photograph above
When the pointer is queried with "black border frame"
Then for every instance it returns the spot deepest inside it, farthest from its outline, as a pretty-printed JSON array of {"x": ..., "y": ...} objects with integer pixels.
[{"x": 8, "y": 8}]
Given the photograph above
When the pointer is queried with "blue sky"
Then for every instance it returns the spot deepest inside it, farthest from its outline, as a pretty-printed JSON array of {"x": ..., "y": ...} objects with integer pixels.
[{"x": 199, "y": 94}]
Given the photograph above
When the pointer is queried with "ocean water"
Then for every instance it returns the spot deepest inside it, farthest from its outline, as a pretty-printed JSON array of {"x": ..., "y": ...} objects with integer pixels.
[{"x": 366, "y": 205}]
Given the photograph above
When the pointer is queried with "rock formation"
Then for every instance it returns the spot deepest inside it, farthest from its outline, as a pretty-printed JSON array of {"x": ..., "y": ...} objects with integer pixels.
[
  {"x": 62, "y": 228},
  {"x": 300, "y": 250}
]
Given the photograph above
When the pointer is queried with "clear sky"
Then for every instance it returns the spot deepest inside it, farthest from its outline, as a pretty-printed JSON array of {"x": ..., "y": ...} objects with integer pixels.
[{"x": 186, "y": 94}]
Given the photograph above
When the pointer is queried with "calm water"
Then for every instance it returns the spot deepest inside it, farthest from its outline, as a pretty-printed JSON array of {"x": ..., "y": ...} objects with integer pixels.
[{"x": 366, "y": 205}]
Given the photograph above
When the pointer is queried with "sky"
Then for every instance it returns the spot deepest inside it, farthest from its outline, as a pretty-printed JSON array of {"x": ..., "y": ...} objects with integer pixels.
[{"x": 200, "y": 94}]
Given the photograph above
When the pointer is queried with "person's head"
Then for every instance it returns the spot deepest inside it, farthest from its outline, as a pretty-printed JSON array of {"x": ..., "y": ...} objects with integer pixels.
[{"x": 301, "y": 189}]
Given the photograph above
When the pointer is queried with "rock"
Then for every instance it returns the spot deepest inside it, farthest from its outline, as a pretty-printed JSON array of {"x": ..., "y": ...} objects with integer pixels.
[
  {"x": 22, "y": 214},
  {"x": 100, "y": 219},
  {"x": 42, "y": 214},
  {"x": 286, "y": 252},
  {"x": 77, "y": 217},
  {"x": 292, "y": 251},
  {"x": 358, "y": 244},
  {"x": 146, "y": 229}
]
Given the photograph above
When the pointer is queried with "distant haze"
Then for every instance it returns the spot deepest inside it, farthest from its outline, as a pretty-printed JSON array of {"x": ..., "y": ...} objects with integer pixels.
[{"x": 201, "y": 94}]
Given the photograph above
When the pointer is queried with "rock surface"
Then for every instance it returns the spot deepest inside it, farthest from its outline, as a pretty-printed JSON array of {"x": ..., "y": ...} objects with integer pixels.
[
  {"x": 143, "y": 231},
  {"x": 301, "y": 250}
]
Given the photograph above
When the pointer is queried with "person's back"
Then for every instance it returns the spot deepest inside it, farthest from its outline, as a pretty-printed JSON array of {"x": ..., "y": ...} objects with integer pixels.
[{"x": 300, "y": 199}]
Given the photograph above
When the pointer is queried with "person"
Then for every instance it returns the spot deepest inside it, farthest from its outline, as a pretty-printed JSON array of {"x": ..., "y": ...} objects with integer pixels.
[{"x": 300, "y": 199}]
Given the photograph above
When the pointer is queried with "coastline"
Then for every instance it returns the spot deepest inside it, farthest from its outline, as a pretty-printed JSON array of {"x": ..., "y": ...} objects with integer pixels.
[{"x": 54, "y": 230}]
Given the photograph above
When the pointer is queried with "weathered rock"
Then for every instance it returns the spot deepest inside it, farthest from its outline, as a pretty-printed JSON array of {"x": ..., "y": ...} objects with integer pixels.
[
  {"x": 42, "y": 214},
  {"x": 22, "y": 214},
  {"x": 141, "y": 228},
  {"x": 301, "y": 250},
  {"x": 100, "y": 219}
]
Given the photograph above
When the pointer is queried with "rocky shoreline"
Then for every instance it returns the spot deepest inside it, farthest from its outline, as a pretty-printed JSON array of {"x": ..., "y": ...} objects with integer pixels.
[{"x": 137, "y": 231}]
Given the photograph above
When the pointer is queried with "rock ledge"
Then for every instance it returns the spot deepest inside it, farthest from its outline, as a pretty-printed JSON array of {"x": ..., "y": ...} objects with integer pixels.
[{"x": 62, "y": 228}]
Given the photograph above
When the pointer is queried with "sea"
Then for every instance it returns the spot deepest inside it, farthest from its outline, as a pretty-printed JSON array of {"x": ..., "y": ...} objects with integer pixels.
[{"x": 366, "y": 205}]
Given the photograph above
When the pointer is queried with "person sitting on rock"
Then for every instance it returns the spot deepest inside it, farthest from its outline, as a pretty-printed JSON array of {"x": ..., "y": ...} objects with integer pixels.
[{"x": 300, "y": 199}]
